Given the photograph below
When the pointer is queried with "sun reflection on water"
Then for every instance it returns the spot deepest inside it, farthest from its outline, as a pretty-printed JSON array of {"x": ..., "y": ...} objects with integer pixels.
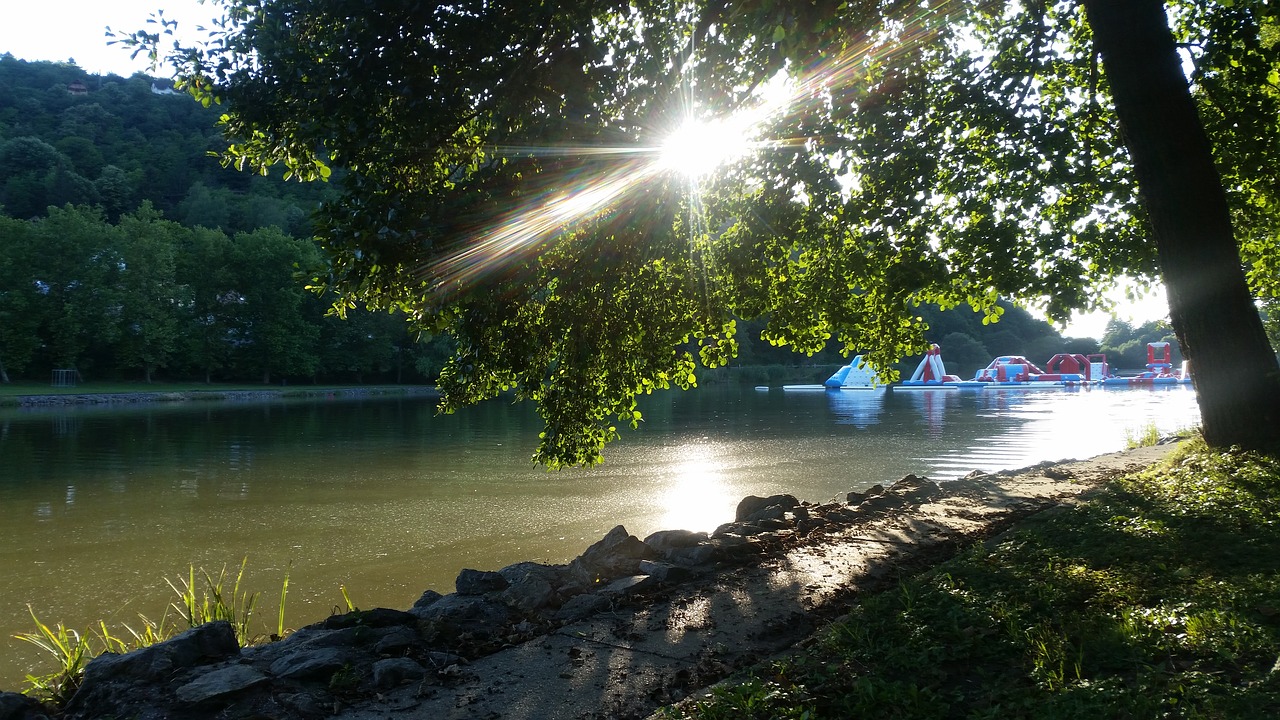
[{"x": 696, "y": 493}]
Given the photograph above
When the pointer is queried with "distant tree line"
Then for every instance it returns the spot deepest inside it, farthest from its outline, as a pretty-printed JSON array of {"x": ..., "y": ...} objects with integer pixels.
[{"x": 146, "y": 296}]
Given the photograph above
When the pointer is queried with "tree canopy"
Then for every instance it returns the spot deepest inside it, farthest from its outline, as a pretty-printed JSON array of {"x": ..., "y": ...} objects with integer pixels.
[{"x": 504, "y": 180}]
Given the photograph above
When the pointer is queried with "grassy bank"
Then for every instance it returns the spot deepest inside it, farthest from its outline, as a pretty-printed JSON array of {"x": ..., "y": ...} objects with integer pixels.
[{"x": 1159, "y": 598}]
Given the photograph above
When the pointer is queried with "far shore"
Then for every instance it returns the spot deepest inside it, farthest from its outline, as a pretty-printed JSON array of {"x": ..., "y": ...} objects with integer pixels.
[{"x": 30, "y": 395}]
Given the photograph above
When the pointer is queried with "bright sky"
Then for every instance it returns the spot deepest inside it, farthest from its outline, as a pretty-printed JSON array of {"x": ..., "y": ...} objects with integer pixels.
[
  {"x": 1155, "y": 306},
  {"x": 60, "y": 29}
]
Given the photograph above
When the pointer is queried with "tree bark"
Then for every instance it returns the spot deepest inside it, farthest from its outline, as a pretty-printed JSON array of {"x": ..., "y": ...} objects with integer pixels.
[
  {"x": 4, "y": 376},
  {"x": 1233, "y": 366}
]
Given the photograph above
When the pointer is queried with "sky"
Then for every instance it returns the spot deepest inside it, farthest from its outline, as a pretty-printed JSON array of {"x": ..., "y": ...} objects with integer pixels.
[{"x": 58, "y": 30}]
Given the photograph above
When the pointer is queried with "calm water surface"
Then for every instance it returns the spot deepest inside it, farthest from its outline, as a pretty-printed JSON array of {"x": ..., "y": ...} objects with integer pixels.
[{"x": 99, "y": 505}]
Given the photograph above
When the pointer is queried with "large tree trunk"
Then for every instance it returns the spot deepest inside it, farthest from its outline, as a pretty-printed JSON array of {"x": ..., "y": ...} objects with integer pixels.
[
  {"x": 1233, "y": 366},
  {"x": 4, "y": 376}
]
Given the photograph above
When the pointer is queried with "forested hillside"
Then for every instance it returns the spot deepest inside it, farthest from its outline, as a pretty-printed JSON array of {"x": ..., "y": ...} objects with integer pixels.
[{"x": 127, "y": 251}]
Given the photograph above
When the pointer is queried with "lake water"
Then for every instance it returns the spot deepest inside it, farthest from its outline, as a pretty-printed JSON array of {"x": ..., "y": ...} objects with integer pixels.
[{"x": 99, "y": 505}]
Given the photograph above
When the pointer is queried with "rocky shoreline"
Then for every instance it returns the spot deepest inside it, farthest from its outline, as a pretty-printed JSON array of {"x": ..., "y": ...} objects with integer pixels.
[{"x": 625, "y": 627}]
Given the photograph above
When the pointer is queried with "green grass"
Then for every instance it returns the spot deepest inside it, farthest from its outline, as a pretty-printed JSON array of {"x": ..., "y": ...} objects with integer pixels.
[
  {"x": 1146, "y": 437},
  {"x": 201, "y": 598},
  {"x": 1158, "y": 599}
]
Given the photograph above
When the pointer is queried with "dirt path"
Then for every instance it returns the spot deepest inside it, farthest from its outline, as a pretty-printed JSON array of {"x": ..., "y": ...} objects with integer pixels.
[{"x": 627, "y": 662}]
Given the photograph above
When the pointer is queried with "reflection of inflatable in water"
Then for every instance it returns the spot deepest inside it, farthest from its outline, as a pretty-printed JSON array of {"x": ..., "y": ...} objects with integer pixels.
[
  {"x": 933, "y": 409},
  {"x": 860, "y": 409},
  {"x": 931, "y": 374},
  {"x": 1159, "y": 370}
]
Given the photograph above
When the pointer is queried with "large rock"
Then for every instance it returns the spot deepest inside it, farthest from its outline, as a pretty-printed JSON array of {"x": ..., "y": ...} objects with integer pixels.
[
  {"x": 392, "y": 671},
  {"x": 531, "y": 587},
  {"x": 479, "y": 582},
  {"x": 111, "y": 679},
  {"x": 455, "y": 616},
  {"x": 14, "y": 706},
  {"x": 617, "y": 554},
  {"x": 311, "y": 663},
  {"x": 752, "y": 507},
  {"x": 220, "y": 683}
]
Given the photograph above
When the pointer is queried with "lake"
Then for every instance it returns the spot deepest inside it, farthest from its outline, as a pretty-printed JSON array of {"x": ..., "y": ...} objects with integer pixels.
[{"x": 385, "y": 498}]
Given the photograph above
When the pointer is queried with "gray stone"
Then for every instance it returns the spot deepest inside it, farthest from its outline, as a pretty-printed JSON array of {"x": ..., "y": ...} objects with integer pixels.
[
  {"x": 842, "y": 516},
  {"x": 391, "y": 672},
  {"x": 110, "y": 677},
  {"x": 533, "y": 586},
  {"x": 731, "y": 528},
  {"x": 375, "y": 618},
  {"x": 439, "y": 660},
  {"x": 453, "y": 615},
  {"x": 397, "y": 641},
  {"x": 479, "y": 582},
  {"x": 580, "y": 606},
  {"x": 617, "y": 554},
  {"x": 219, "y": 683},
  {"x": 855, "y": 498},
  {"x": 691, "y": 556},
  {"x": 752, "y": 504},
  {"x": 916, "y": 488},
  {"x": 773, "y": 512},
  {"x": 318, "y": 663},
  {"x": 627, "y": 586},
  {"x": 308, "y": 704},
  {"x": 666, "y": 540},
  {"x": 15, "y": 706},
  {"x": 772, "y": 523},
  {"x": 809, "y": 524},
  {"x": 528, "y": 594},
  {"x": 664, "y": 572},
  {"x": 427, "y": 598}
]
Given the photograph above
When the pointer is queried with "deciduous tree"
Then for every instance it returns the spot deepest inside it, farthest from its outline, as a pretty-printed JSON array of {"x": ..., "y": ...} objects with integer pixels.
[{"x": 501, "y": 181}]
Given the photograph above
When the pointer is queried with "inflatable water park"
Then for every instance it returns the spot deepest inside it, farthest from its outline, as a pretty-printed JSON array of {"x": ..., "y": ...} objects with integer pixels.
[
  {"x": 857, "y": 375},
  {"x": 1064, "y": 370},
  {"x": 1159, "y": 370}
]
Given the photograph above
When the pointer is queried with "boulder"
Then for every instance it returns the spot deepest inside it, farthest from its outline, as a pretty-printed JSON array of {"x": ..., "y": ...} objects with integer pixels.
[
  {"x": 392, "y": 671},
  {"x": 855, "y": 498},
  {"x": 617, "y": 554},
  {"x": 479, "y": 582},
  {"x": 427, "y": 598},
  {"x": 751, "y": 504},
  {"x": 666, "y": 540},
  {"x": 110, "y": 680},
  {"x": 220, "y": 683},
  {"x": 310, "y": 663},
  {"x": 375, "y": 618},
  {"x": 15, "y": 706}
]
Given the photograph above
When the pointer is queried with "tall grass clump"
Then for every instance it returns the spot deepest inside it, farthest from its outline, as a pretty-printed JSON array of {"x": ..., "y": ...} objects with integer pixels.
[
  {"x": 198, "y": 605},
  {"x": 1147, "y": 436},
  {"x": 71, "y": 652},
  {"x": 201, "y": 599}
]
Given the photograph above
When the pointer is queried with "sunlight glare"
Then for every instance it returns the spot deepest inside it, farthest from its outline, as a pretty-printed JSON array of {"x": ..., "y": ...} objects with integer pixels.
[
  {"x": 696, "y": 498},
  {"x": 698, "y": 147}
]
